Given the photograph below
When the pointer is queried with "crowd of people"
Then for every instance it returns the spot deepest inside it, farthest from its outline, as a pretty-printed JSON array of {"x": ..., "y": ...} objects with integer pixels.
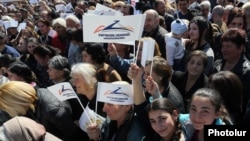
[{"x": 199, "y": 74}]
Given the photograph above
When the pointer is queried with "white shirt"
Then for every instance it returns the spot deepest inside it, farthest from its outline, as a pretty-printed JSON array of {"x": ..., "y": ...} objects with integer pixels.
[{"x": 174, "y": 48}]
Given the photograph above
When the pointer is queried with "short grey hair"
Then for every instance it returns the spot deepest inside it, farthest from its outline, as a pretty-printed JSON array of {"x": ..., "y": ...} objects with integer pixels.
[
  {"x": 206, "y": 3},
  {"x": 73, "y": 18},
  {"x": 60, "y": 21},
  {"x": 88, "y": 72},
  {"x": 219, "y": 10}
]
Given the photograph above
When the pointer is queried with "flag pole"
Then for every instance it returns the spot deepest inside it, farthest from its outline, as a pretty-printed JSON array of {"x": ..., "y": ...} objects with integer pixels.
[
  {"x": 138, "y": 48},
  {"x": 84, "y": 109}
]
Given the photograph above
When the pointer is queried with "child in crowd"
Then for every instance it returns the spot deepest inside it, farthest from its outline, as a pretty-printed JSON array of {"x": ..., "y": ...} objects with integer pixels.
[{"x": 175, "y": 44}]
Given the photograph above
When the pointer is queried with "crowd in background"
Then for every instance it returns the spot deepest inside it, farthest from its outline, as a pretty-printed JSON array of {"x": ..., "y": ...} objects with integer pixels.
[{"x": 200, "y": 73}]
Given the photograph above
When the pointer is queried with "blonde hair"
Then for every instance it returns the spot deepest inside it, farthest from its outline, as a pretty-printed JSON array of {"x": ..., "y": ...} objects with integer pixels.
[{"x": 17, "y": 97}]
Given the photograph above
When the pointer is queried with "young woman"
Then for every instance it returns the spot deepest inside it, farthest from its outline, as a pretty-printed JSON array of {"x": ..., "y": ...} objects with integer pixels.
[
  {"x": 236, "y": 18},
  {"x": 230, "y": 88},
  {"x": 48, "y": 35},
  {"x": 201, "y": 39},
  {"x": 19, "y": 71},
  {"x": 160, "y": 117},
  {"x": 164, "y": 120},
  {"x": 193, "y": 78},
  {"x": 206, "y": 108}
]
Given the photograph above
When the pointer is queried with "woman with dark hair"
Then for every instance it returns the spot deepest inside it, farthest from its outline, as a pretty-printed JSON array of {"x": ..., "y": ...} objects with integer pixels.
[
  {"x": 206, "y": 108},
  {"x": 158, "y": 72},
  {"x": 76, "y": 42},
  {"x": 160, "y": 115},
  {"x": 236, "y": 18},
  {"x": 193, "y": 78},
  {"x": 230, "y": 88},
  {"x": 200, "y": 33},
  {"x": 22, "y": 47},
  {"x": 164, "y": 119},
  {"x": 19, "y": 71},
  {"x": 42, "y": 54},
  {"x": 48, "y": 35},
  {"x": 95, "y": 54},
  {"x": 45, "y": 31}
]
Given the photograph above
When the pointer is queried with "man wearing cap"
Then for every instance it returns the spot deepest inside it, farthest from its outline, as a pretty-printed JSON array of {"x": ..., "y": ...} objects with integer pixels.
[{"x": 175, "y": 44}]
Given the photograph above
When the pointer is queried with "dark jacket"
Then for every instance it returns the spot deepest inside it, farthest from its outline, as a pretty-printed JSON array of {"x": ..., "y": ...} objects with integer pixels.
[
  {"x": 242, "y": 70},
  {"x": 159, "y": 36},
  {"x": 131, "y": 130},
  {"x": 179, "y": 79},
  {"x": 174, "y": 95},
  {"x": 56, "y": 117},
  {"x": 142, "y": 114},
  {"x": 3, "y": 117}
]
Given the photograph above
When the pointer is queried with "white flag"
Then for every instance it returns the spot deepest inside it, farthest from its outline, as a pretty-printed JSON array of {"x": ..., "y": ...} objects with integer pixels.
[
  {"x": 11, "y": 23},
  {"x": 33, "y": 1},
  {"x": 147, "y": 51},
  {"x": 63, "y": 91},
  {"x": 121, "y": 94},
  {"x": 109, "y": 29},
  {"x": 21, "y": 26},
  {"x": 89, "y": 116},
  {"x": 106, "y": 10},
  {"x": 69, "y": 8}
]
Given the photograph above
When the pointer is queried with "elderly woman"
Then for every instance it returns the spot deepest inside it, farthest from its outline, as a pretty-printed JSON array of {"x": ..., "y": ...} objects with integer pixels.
[
  {"x": 84, "y": 79},
  {"x": 59, "y": 69},
  {"x": 233, "y": 59},
  {"x": 59, "y": 26}
]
